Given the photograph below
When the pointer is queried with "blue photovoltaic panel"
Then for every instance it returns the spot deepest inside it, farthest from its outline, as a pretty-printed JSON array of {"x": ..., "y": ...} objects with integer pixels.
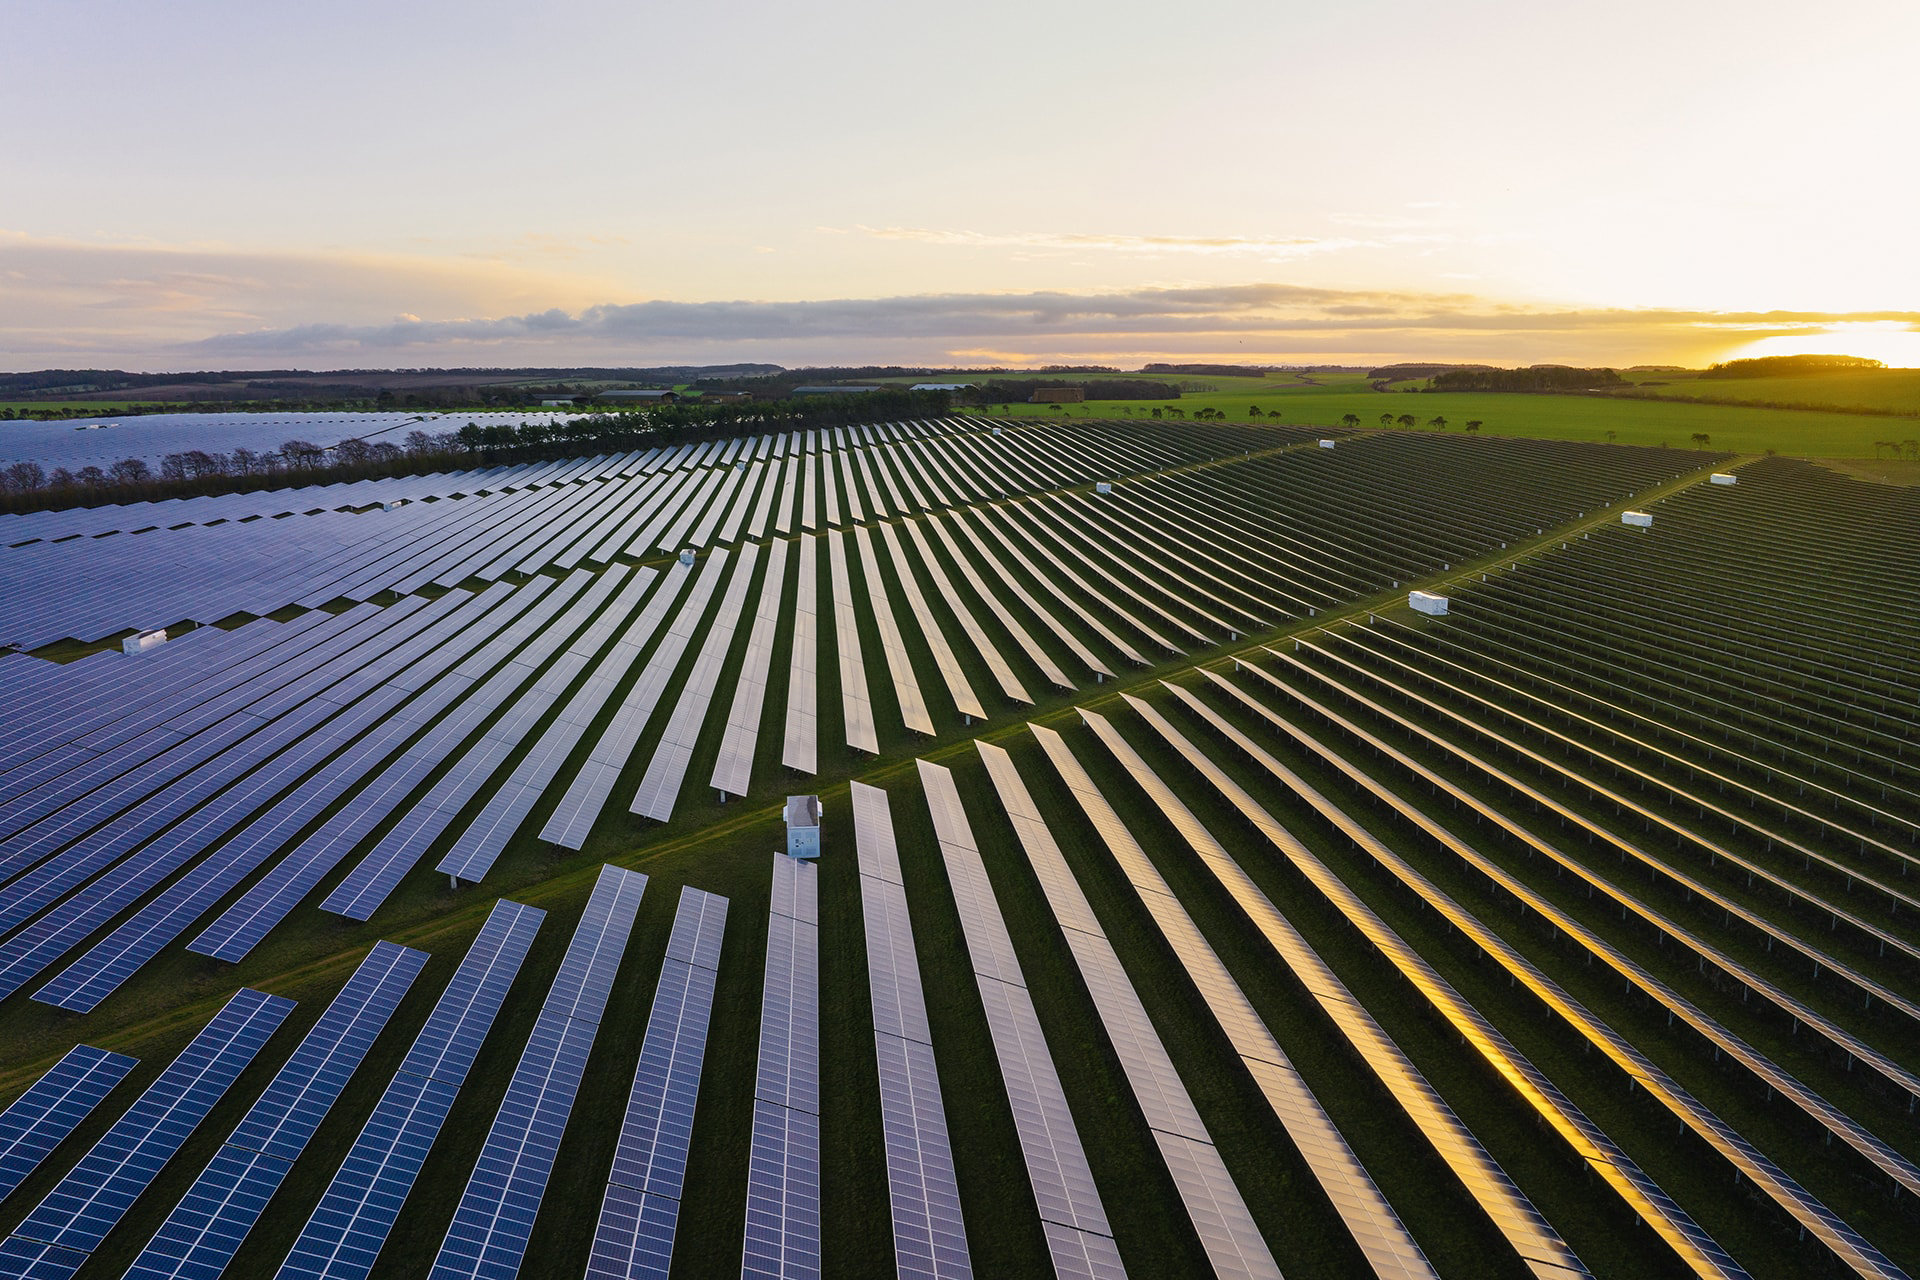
[
  {"x": 205, "y": 1230},
  {"x": 45, "y": 1114},
  {"x": 78, "y": 1213},
  {"x": 22, "y": 1259},
  {"x": 345, "y": 1234},
  {"x": 284, "y": 1119},
  {"x": 586, "y": 974},
  {"x": 447, "y": 1044},
  {"x": 783, "y": 1166},
  {"x": 783, "y": 1195},
  {"x": 490, "y": 1228},
  {"x": 634, "y": 1237}
]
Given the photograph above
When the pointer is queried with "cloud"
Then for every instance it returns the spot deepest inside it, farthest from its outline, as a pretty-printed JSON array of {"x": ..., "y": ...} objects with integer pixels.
[
  {"x": 67, "y": 304},
  {"x": 1269, "y": 321}
]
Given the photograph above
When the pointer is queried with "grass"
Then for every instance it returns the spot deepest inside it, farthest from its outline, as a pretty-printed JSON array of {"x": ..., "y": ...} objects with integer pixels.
[
  {"x": 1886, "y": 391},
  {"x": 1329, "y": 397}
]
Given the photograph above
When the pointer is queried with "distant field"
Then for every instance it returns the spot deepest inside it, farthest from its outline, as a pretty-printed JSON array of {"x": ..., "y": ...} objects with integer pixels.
[
  {"x": 1884, "y": 390},
  {"x": 1647, "y": 422}
]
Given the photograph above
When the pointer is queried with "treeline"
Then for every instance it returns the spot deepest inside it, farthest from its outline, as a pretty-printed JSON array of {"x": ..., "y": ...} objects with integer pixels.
[
  {"x": 1210, "y": 370},
  {"x": 27, "y": 486},
  {"x": 1788, "y": 366},
  {"x": 1538, "y": 377},
  {"x": 197, "y": 473},
  {"x": 1009, "y": 390}
]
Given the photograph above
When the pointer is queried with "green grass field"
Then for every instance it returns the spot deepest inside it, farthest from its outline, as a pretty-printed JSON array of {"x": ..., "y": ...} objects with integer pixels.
[
  {"x": 1891, "y": 391},
  {"x": 1324, "y": 399}
]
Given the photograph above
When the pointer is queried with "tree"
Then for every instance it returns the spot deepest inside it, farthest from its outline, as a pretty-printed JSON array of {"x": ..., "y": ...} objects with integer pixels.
[
  {"x": 244, "y": 462},
  {"x": 25, "y": 477},
  {"x": 352, "y": 452},
  {"x": 131, "y": 471},
  {"x": 1610, "y": 435},
  {"x": 1386, "y": 419},
  {"x": 1474, "y": 424},
  {"x": 1253, "y": 411},
  {"x": 1437, "y": 422},
  {"x": 92, "y": 477},
  {"x": 302, "y": 455},
  {"x": 61, "y": 478},
  {"x": 1701, "y": 439},
  {"x": 1405, "y": 421},
  {"x": 1350, "y": 420},
  {"x": 419, "y": 442}
]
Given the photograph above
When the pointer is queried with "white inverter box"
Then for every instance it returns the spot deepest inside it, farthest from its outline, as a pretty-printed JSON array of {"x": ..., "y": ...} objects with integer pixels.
[
  {"x": 1326, "y": 444},
  {"x": 1640, "y": 518},
  {"x": 803, "y": 826},
  {"x": 1103, "y": 487},
  {"x": 1427, "y": 602},
  {"x": 1722, "y": 477},
  {"x": 143, "y": 641}
]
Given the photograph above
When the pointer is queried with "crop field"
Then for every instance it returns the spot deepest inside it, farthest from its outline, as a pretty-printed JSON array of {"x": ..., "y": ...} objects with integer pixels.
[
  {"x": 1889, "y": 391},
  {"x": 1612, "y": 419},
  {"x": 419, "y": 906}
]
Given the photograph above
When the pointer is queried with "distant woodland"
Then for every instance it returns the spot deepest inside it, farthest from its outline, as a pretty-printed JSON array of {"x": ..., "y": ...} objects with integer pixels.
[{"x": 1539, "y": 377}]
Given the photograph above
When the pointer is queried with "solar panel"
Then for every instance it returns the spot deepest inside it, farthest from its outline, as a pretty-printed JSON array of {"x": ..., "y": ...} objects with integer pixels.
[
  {"x": 573, "y": 820},
  {"x": 634, "y": 1236},
  {"x": 491, "y": 1226},
  {"x": 204, "y": 1231},
  {"x": 906, "y": 686},
  {"x": 53, "y": 1107},
  {"x": 929, "y": 1237},
  {"x": 800, "y": 746},
  {"x": 660, "y": 786},
  {"x": 1079, "y": 1237},
  {"x": 783, "y": 1171},
  {"x": 1375, "y": 1226},
  {"x": 855, "y": 703},
  {"x": 733, "y": 767},
  {"x": 1212, "y": 1202},
  {"x": 78, "y": 1213},
  {"x": 344, "y": 1235}
]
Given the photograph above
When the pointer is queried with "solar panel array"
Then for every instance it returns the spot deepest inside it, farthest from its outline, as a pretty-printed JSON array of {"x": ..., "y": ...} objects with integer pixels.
[
  {"x": 1079, "y": 1237},
  {"x": 783, "y": 1167},
  {"x": 1757, "y": 784},
  {"x": 204, "y": 1231},
  {"x": 634, "y": 1237},
  {"x": 929, "y": 1233},
  {"x": 491, "y": 1226},
  {"x": 344, "y": 1236},
  {"x": 1374, "y": 1224},
  {"x": 76, "y": 1215},
  {"x": 1213, "y": 1202},
  {"x": 53, "y": 1107}
]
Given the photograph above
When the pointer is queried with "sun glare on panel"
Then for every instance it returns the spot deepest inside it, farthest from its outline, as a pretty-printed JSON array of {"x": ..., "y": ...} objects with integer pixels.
[{"x": 1894, "y": 344}]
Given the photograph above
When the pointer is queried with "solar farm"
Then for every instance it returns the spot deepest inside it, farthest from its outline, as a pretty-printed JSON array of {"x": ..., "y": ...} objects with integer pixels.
[{"x": 395, "y": 876}]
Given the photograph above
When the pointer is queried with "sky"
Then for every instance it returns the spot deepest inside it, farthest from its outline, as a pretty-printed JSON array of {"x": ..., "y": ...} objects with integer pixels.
[{"x": 226, "y": 184}]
